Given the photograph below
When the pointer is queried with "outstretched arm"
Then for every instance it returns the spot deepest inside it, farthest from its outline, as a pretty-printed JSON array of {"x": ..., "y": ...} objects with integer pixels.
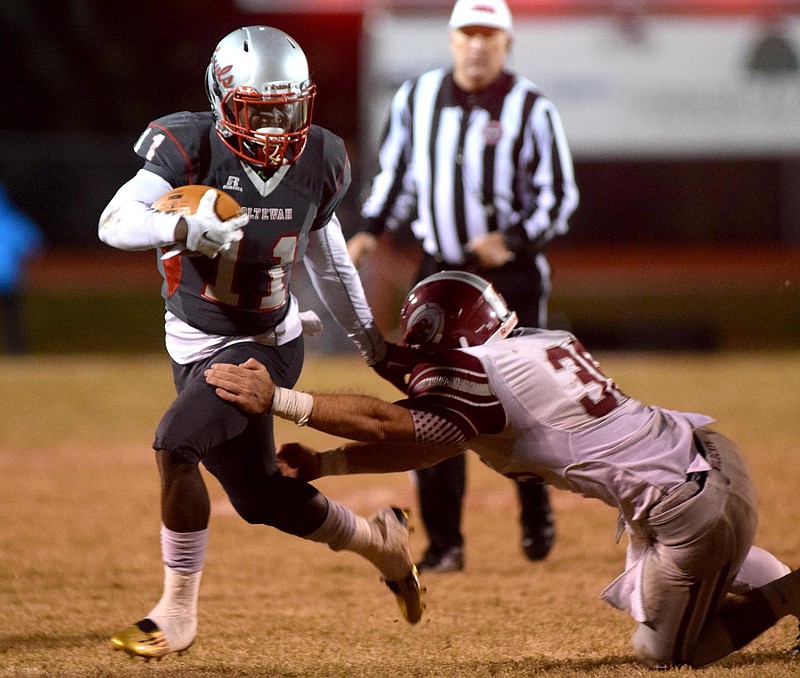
[
  {"x": 357, "y": 417},
  {"x": 390, "y": 439},
  {"x": 300, "y": 461},
  {"x": 338, "y": 285}
]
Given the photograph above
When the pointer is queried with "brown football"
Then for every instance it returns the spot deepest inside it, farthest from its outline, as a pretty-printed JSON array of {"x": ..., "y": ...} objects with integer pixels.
[{"x": 185, "y": 199}]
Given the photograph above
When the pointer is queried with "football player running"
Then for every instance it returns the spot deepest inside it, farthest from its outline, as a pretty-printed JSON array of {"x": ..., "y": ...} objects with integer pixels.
[
  {"x": 227, "y": 296},
  {"x": 533, "y": 401}
]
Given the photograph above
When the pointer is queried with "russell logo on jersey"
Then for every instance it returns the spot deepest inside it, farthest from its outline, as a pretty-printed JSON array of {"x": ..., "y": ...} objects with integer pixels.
[{"x": 232, "y": 184}]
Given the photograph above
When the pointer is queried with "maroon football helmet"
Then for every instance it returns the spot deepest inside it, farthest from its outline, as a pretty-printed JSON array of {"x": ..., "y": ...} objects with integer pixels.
[{"x": 455, "y": 309}]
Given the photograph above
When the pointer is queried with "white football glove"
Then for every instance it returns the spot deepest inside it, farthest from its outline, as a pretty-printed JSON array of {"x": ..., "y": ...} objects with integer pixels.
[
  {"x": 312, "y": 325},
  {"x": 207, "y": 233}
]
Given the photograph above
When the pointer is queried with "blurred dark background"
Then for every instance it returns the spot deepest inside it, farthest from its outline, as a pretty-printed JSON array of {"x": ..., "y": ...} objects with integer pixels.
[{"x": 86, "y": 76}]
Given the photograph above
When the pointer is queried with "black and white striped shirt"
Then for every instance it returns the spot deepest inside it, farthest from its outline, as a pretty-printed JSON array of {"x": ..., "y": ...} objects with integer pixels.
[{"x": 457, "y": 165}]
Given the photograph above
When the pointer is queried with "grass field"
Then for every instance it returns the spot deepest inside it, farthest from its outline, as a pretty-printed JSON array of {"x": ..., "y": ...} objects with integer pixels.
[{"x": 79, "y": 553}]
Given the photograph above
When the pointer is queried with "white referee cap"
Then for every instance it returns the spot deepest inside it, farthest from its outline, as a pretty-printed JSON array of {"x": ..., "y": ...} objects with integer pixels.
[{"x": 491, "y": 13}]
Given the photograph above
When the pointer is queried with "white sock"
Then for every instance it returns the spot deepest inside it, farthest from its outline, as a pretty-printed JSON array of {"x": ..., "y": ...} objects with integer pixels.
[
  {"x": 184, "y": 552},
  {"x": 175, "y": 614},
  {"x": 343, "y": 530},
  {"x": 759, "y": 568}
]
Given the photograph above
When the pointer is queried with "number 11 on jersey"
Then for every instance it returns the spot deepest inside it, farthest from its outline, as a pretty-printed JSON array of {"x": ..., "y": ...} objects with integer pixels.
[{"x": 223, "y": 289}]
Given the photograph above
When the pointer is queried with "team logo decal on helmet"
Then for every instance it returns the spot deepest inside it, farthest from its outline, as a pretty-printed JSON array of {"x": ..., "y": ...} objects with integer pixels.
[
  {"x": 221, "y": 73},
  {"x": 428, "y": 322}
]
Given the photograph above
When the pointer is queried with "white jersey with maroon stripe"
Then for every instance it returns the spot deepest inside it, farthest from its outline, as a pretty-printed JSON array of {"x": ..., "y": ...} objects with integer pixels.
[{"x": 538, "y": 404}]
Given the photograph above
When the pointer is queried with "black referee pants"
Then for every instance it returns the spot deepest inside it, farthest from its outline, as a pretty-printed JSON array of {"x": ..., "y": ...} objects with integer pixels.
[{"x": 441, "y": 487}]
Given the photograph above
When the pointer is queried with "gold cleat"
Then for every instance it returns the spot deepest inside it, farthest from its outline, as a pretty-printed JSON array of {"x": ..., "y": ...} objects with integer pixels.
[
  {"x": 409, "y": 596},
  {"x": 143, "y": 639},
  {"x": 407, "y": 590}
]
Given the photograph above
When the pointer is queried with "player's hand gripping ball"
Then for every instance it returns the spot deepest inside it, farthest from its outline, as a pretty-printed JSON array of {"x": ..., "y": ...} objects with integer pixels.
[{"x": 214, "y": 219}]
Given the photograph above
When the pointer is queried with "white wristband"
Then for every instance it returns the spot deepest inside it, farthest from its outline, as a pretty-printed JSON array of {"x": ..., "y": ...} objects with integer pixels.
[
  {"x": 333, "y": 463},
  {"x": 295, "y": 406}
]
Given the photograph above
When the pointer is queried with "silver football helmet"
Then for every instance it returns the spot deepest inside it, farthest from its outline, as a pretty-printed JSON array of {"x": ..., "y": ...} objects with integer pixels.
[{"x": 261, "y": 95}]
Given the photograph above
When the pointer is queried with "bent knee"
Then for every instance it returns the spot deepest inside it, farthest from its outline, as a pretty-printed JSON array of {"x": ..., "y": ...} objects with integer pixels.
[
  {"x": 299, "y": 517},
  {"x": 253, "y": 512}
]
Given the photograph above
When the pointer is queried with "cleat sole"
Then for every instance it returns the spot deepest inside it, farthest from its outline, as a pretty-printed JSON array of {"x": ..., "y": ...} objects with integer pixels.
[
  {"x": 408, "y": 593},
  {"x": 144, "y": 639}
]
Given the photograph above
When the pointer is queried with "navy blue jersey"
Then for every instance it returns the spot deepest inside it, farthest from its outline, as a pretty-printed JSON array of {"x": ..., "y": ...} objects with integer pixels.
[{"x": 244, "y": 290}]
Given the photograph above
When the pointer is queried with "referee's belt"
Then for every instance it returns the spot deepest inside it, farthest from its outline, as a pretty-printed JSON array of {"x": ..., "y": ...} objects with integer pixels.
[{"x": 469, "y": 264}]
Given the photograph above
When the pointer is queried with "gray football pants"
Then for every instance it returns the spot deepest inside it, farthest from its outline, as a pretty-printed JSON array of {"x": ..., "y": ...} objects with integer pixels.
[{"x": 701, "y": 538}]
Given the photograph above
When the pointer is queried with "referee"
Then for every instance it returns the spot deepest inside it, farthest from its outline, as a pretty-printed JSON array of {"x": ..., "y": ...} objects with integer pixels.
[{"x": 474, "y": 158}]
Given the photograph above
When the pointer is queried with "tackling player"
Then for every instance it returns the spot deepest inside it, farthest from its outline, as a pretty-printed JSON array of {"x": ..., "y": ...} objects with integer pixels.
[
  {"x": 532, "y": 401},
  {"x": 227, "y": 294}
]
